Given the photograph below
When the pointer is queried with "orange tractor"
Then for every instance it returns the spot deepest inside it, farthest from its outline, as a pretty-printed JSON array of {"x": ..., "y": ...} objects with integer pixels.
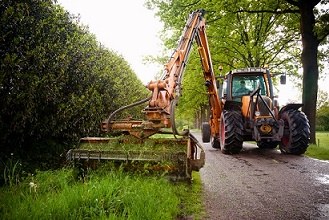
[
  {"x": 230, "y": 122},
  {"x": 251, "y": 113}
]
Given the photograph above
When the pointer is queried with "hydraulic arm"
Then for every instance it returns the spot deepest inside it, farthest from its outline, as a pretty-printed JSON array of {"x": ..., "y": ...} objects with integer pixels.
[
  {"x": 186, "y": 153},
  {"x": 167, "y": 90}
]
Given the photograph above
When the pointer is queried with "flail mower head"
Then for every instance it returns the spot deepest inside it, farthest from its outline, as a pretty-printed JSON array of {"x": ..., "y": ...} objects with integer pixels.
[{"x": 176, "y": 157}]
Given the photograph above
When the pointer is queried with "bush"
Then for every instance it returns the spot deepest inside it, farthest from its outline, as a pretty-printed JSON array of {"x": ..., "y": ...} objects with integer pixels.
[
  {"x": 322, "y": 118},
  {"x": 57, "y": 83}
]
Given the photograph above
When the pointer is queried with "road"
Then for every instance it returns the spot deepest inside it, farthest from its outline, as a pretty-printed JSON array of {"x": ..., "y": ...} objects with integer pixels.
[{"x": 264, "y": 184}]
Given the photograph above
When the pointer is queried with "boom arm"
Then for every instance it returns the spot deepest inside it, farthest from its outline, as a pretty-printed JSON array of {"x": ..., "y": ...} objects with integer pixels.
[{"x": 166, "y": 91}]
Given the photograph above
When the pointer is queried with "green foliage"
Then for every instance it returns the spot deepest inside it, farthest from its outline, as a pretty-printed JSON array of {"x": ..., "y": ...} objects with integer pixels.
[
  {"x": 194, "y": 93},
  {"x": 101, "y": 195},
  {"x": 283, "y": 34},
  {"x": 322, "y": 118},
  {"x": 11, "y": 171},
  {"x": 57, "y": 83},
  {"x": 240, "y": 34},
  {"x": 322, "y": 100},
  {"x": 191, "y": 198}
]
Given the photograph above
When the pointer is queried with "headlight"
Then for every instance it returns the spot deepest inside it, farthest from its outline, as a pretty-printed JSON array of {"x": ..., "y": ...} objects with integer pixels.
[{"x": 257, "y": 113}]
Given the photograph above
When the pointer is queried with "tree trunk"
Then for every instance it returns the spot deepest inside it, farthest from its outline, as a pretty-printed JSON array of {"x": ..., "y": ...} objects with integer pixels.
[
  {"x": 197, "y": 121},
  {"x": 309, "y": 62}
]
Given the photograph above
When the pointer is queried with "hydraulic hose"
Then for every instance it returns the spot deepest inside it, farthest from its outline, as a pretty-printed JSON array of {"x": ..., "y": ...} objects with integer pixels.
[
  {"x": 173, "y": 121},
  {"x": 123, "y": 108}
]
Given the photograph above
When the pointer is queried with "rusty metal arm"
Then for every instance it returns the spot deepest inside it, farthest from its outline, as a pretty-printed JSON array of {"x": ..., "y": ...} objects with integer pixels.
[
  {"x": 167, "y": 90},
  {"x": 169, "y": 87},
  {"x": 210, "y": 78}
]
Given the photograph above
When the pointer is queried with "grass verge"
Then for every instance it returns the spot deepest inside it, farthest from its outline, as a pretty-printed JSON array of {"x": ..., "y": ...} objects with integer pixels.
[
  {"x": 321, "y": 149},
  {"x": 100, "y": 194},
  {"x": 191, "y": 200}
]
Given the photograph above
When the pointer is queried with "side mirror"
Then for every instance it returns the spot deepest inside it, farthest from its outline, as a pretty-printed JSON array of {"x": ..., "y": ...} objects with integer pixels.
[{"x": 283, "y": 79}]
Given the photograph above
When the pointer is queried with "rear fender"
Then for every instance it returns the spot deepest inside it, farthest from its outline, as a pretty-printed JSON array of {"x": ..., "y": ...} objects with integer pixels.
[
  {"x": 287, "y": 107},
  {"x": 232, "y": 105}
]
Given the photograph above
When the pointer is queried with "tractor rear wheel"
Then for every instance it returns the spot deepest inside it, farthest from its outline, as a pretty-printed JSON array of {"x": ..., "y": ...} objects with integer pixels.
[
  {"x": 205, "y": 132},
  {"x": 231, "y": 136},
  {"x": 296, "y": 132}
]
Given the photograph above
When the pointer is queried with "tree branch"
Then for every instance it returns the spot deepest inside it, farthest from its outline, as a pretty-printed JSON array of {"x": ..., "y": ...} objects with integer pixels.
[
  {"x": 293, "y": 2},
  {"x": 324, "y": 36},
  {"x": 269, "y": 11},
  {"x": 189, "y": 5}
]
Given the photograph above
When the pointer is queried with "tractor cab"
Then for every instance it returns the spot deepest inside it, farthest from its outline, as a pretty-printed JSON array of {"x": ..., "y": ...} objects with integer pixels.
[{"x": 242, "y": 82}]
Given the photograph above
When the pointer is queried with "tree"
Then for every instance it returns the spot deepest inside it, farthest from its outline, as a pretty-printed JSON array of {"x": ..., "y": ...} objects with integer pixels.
[
  {"x": 236, "y": 39},
  {"x": 311, "y": 38},
  {"x": 245, "y": 33},
  {"x": 322, "y": 100},
  {"x": 57, "y": 83},
  {"x": 322, "y": 118}
]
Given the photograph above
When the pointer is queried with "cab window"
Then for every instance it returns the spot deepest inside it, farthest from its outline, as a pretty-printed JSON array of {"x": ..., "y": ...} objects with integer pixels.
[{"x": 244, "y": 85}]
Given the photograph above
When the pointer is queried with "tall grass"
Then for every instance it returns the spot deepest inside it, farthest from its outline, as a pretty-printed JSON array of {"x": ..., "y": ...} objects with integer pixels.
[
  {"x": 11, "y": 171},
  {"x": 99, "y": 195},
  {"x": 321, "y": 149},
  {"x": 191, "y": 198}
]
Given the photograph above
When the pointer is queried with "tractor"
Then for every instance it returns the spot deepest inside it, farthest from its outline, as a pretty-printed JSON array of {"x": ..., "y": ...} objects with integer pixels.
[{"x": 250, "y": 112}]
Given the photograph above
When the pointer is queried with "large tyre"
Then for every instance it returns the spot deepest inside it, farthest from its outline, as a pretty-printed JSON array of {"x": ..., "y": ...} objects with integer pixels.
[
  {"x": 296, "y": 132},
  {"x": 231, "y": 136},
  {"x": 205, "y": 132}
]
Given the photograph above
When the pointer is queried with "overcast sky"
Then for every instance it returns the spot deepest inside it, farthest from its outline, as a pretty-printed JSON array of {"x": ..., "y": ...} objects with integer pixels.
[
  {"x": 125, "y": 26},
  {"x": 128, "y": 28}
]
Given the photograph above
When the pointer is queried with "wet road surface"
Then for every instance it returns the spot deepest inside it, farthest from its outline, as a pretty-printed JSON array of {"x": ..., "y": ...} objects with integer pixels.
[{"x": 264, "y": 184}]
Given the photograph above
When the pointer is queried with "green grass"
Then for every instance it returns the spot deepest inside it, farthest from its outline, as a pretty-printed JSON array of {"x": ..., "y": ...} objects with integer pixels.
[
  {"x": 109, "y": 193},
  {"x": 124, "y": 143},
  {"x": 101, "y": 194},
  {"x": 321, "y": 149},
  {"x": 191, "y": 198}
]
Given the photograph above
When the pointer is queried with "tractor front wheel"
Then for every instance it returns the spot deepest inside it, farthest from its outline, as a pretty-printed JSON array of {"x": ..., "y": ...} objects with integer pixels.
[
  {"x": 296, "y": 132},
  {"x": 231, "y": 136},
  {"x": 205, "y": 132}
]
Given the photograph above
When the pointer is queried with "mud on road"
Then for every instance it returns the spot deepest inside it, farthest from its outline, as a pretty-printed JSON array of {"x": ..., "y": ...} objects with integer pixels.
[{"x": 264, "y": 184}]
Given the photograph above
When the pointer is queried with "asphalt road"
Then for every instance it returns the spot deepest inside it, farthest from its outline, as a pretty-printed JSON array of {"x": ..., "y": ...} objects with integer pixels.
[{"x": 264, "y": 184}]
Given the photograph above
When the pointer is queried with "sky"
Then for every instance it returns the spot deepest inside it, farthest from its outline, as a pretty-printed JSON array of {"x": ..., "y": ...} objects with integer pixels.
[
  {"x": 124, "y": 26},
  {"x": 132, "y": 31}
]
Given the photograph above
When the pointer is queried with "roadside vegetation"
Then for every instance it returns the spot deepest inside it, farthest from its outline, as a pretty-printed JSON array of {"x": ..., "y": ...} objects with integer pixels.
[
  {"x": 109, "y": 192},
  {"x": 57, "y": 83},
  {"x": 104, "y": 193},
  {"x": 321, "y": 149}
]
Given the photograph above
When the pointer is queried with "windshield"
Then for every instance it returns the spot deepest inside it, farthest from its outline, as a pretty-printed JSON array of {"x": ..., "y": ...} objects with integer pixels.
[{"x": 244, "y": 85}]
